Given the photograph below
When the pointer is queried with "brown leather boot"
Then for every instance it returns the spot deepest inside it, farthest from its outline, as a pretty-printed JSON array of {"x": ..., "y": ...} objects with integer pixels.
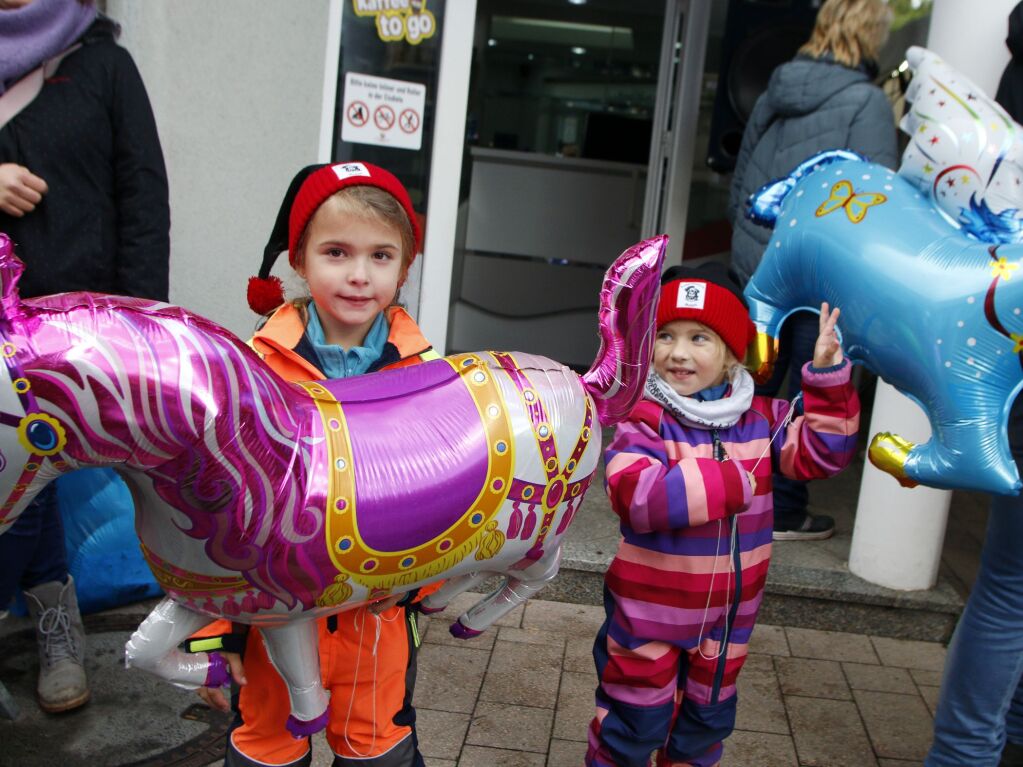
[{"x": 61, "y": 636}]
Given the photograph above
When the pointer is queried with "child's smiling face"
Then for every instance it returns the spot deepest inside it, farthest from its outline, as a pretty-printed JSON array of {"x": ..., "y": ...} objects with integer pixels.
[
  {"x": 353, "y": 265},
  {"x": 690, "y": 356}
]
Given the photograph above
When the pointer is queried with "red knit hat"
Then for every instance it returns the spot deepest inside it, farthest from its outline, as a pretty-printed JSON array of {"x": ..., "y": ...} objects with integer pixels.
[
  {"x": 708, "y": 295},
  {"x": 308, "y": 190}
]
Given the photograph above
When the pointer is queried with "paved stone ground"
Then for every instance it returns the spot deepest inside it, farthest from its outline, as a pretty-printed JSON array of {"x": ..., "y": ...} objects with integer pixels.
[{"x": 522, "y": 695}]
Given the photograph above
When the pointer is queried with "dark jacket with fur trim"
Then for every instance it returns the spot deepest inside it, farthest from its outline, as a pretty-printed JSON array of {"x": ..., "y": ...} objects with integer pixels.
[
  {"x": 90, "y": 135},
  {"x": 810, "y": 105}
]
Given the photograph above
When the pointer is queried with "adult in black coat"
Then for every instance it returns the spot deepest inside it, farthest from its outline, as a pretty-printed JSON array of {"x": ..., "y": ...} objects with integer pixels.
[
  {"x": 1010, "y": 87},
  {"x": 83, "y": 195}
]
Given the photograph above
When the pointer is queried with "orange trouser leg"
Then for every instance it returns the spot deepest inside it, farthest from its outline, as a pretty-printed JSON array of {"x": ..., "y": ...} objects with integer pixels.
[{"x": 365, "y": 666}]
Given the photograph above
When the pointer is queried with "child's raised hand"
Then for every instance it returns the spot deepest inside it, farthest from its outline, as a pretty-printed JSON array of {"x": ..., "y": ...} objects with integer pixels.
[{"x": 828, "y": 351}]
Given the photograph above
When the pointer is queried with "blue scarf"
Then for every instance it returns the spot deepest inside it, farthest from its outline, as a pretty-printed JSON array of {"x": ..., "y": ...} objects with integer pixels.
[
  {"x": 335, "y": 362},
  {"x": 39, "y": 31}
]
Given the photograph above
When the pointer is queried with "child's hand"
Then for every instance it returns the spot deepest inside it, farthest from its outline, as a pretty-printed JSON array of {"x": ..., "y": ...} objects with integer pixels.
[
  {"x": 214, "y": 696},
  {"x": 828, "y": 352},
  {"x": 385, "y": 604}
]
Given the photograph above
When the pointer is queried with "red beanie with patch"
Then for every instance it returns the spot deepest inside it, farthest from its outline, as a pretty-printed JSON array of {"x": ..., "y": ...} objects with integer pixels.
[
  {"x": 308, "y": 190},
  {"x": 708, "y": 295}
]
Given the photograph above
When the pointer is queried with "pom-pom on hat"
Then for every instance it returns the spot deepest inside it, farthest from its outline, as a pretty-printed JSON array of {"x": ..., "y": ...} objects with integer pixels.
[
  {"x": 307, "y": 191},
  {"x": 708, "y": 295}
]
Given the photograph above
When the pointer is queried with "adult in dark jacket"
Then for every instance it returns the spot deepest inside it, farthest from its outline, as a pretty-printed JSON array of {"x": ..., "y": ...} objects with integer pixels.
[
  {"x": 822, "y": 99},
  {"x": 1010, "y": 87},
  {"x": 979, "y": 717},
  {"x": 83, "y": 195}
]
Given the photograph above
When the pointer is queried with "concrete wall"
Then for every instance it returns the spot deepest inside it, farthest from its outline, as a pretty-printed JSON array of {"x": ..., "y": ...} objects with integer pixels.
[
  {"x": 971, "y": 37},
  {"x": 237, "y": 87}
]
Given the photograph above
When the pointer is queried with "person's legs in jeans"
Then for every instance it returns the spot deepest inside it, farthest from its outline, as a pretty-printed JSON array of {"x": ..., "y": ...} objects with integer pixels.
[
  {"x": 985, "y": 659},
  {"x": 791, "y": 497},
  {"x": 981, "y": 702},
  {"x": 32, "y": 551}
]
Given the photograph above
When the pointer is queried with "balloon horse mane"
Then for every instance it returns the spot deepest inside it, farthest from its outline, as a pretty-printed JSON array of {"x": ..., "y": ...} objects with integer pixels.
[
  {"x": 925, "y": 267},
  {"x": 272, "y": 503}
]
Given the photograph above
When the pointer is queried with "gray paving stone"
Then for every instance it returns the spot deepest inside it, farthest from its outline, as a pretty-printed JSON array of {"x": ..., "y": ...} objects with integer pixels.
[
  {"x": 897, "y": 763},
  {"x": 441, "y": 732},
  {"x": 579, "y": 655},
  {"x": 760, "y": 703},
  {"x": 523, "y": 674},
  {"x": 828, "y": 733},
  {"x": 926, "y": 678},
  {"x": 863, "y": 676},
  {"x": 830, "y": 645},
  {"x": 566, "y": 753},
  {"x": 479, "y": 756},
  {"x": 812, "y": 678},
  {"x": 582, "y": 621},
  {"x": 449, "y": 678},
  {"x": 434, "y": 762},
  {"x": 899, "y": 726},
  {"x": 530, "y": 636},
  {"x": 500, "y": 725},
  {"x": 759, "y": 749},
  {"x": 437, "y": 633},
  {"x": 757, "y": 662},
  {"x": 930, "y": 696},
  {"x": 769, "y": 640},
  {"x": 906, "y": 653},
  {"x": 576, "y": 705}
]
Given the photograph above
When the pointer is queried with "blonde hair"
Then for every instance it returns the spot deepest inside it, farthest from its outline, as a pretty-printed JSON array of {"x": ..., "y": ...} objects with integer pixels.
[
  {"x": 852, "y": 31},
  {"x": 373, "y": 203}
]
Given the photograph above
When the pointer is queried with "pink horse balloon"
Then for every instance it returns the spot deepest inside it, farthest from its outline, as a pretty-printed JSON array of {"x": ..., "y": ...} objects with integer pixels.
[{"x": 272, "y": 503}]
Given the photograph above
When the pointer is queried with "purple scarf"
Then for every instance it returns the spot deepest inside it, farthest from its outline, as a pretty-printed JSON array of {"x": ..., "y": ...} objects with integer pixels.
[{"x": 39, "y": 31}]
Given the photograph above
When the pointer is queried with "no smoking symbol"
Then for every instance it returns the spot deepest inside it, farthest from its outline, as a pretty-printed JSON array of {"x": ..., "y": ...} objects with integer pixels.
[
  {"x": 409, "y": 121},
  {"x": 383, "y": 117},
  {"x": 358, "y": 114}
]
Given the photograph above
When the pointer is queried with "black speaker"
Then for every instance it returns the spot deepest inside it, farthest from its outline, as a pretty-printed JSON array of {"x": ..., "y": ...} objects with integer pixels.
[{"x": 759, "y": 35}]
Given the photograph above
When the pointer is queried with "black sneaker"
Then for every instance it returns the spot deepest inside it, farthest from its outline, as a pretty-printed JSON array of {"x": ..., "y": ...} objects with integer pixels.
[
  {"x": 813, "y": 528},
  {"x": 1012, "y": 756}
]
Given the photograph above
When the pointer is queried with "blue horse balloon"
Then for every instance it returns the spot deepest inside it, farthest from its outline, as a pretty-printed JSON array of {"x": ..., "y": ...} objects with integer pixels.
[{"x": 926, "y": 305}]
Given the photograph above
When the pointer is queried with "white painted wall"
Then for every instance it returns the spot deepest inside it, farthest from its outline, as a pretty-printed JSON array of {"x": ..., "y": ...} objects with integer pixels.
[
  {"x": 971, "y": 37},
  {"x": 237, "y": 88}
]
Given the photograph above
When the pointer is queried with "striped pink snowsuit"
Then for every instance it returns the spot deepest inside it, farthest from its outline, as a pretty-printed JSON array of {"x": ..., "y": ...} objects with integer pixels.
[{"x": 682, "y": 593}]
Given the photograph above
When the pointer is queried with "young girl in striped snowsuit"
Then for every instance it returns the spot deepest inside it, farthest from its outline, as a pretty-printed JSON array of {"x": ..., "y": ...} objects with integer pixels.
[{"x": 689, "y": 474}]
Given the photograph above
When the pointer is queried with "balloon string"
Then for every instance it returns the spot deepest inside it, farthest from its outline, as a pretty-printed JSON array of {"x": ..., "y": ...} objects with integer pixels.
[
  {"x": 783, "y": 425},
  {"x": 361, "y": 626}
]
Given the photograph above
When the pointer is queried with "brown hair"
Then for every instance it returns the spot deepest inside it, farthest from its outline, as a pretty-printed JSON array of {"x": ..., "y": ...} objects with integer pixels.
[
  {"x": 852, "y": 31},
  {"x": 377, "y": 205}
]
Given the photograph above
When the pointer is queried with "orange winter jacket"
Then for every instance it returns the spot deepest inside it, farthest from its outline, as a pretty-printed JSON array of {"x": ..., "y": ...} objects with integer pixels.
[{"x": 378, "y": 717}]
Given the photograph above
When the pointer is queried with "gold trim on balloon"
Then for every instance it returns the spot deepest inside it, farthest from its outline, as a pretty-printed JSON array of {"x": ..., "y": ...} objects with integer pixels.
[
  {"x": 382, "y": 570},
  {"x": 889, "y": 452},
  {"x": 761, "y": 356},
  {"x": 173, "y": 578}
]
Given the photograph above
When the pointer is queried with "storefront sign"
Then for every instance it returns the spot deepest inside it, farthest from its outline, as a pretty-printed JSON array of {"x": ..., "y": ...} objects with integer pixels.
[
  {"x": 384, "y": 112},
  {"x": 399, "y": 19}
]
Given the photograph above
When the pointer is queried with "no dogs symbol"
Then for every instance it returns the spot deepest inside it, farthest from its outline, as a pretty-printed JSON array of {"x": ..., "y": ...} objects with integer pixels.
[{"x": 358, "y": 114}]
